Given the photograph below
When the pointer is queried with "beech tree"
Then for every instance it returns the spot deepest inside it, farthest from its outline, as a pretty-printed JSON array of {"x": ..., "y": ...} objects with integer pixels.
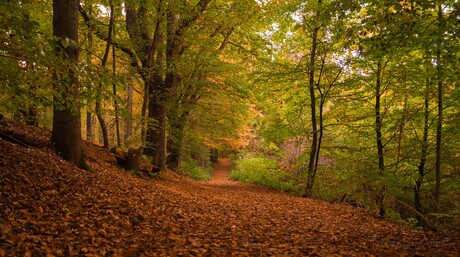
[{"x": 66, "y": 132}]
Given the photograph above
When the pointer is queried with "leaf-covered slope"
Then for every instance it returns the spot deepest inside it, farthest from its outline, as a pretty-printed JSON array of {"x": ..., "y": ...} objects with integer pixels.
[{"x": 48, "y": 207}]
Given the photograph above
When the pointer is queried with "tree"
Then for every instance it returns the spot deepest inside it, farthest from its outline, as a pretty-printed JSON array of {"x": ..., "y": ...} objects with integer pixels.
[
  {"x": 159, "y": 83},
  {"x": 23, "y": 59},
  {"x": 99, "y": 114},
  {"x": 314, "y": 148},
  {"x": 66, "y": 132},
  {"x": 89, "y": 115},
  {"x": 440, "y": 83}
]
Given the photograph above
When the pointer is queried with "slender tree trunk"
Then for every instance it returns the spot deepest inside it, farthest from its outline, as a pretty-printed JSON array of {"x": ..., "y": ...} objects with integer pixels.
[
  {"x": 437, "y": 193},
  {"x": 424, "y": 151},
  {"x": 311, "y": 173},
  {"x": 89, "y": 115},
  {"x": 99, "y": 114},
  {"x": 320, "y": 132},
  {"x": 144, "y": 114},
  {"x": 378, "y": 133},
  {"x": 128, "y": 131},
  {"x": 66, "y": 132},
  {"x": 402, "y": 125},
  {"x": 378, "y": 120},
  {"x": 89, "y": 122},
  {"x": 102, "y": 123},
  {"x": 114, "y": 85}
]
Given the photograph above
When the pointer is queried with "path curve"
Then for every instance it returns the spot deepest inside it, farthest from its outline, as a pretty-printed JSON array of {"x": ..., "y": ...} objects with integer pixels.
[{"x": 221, "y": 174}]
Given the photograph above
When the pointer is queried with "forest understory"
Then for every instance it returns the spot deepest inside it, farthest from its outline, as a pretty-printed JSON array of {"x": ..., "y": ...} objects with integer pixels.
[{"x": 49, "y": 207}]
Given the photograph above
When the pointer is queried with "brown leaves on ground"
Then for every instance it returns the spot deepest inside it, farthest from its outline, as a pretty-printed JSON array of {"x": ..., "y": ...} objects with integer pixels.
[{"x": 50, "y": 208}]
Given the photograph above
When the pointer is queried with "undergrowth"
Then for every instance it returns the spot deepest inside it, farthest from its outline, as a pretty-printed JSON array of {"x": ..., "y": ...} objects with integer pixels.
[
  {"x": 193, "y": 170},
  {"x": 263, "y": 171}
]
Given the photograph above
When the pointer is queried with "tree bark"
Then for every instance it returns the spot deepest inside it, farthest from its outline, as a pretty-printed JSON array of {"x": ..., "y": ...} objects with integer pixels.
[
  {"x": 177, "y": 125},
  {"x": 153, "y": 124},
  {"x": 102, "y": 123},
  {"x": 89, "y": 115},
  {"x": 437, "y": 192},
  {"x": 114, "y": 85},
  {"x": 424, "y": 151},
  {"x": 66, "y": 131},
  {"x": 99, "y": 114},
  {"x": 128, "y": 131},
  {"x": 378, "y": 119},
  {"x": 156, "y": 135},
  {"x": 380, "y": 198},
  {"x": 402, "y": 125},
  {"x": 311, "y": 173}
]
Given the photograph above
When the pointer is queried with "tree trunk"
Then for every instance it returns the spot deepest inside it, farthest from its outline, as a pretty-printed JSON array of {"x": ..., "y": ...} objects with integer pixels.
[
  {"x": 320, "y": 132},
  {"x": 175, "y": 154},
  {"x": 144, "y": 118},
  {"x": 89, "y": 124},
  {"x": 151, "y": 87},
  {"x": 176, "y": 139},
  {"x": 89, "y": 115},
  {"x": 99, "y": 114},
  {"x": 128, "y": 131},
  {"x": 114, "y": 85},
  {"x": 314, "y": 126},
  {"x": 424, "y": 150},
  {"x": 102, "y": 123},
  {"x": 66, "y": 131},
  {"x": 146, "y": 47},
  {"x": 378, "y": 120},
  {"x": 155, "y": 145},
  {"x": 378, "y": 136},
  {"x": 214, "y": 155},
  {"x": 156, "y": 135},
  {"x": 437, "y": 192},
  {"x": 402, "y": 125}
]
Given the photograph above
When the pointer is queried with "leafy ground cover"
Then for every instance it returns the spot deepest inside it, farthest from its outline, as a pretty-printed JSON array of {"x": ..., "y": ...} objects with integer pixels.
[{"x": 50, "y": 208}]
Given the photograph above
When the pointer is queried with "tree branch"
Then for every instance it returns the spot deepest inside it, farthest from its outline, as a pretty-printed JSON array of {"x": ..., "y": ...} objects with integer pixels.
[{"x": 102, "y": 36}]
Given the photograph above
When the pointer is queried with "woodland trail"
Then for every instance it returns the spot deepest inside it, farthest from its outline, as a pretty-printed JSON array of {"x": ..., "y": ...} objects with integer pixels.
[
  {"x": 221, "y": 170},
  {"x": 221, "y": 173},
  {"x": 51, "y": 208}
]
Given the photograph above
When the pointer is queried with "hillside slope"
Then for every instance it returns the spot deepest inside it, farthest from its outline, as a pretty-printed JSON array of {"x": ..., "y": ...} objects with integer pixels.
[{"x": 51, "y": 208}]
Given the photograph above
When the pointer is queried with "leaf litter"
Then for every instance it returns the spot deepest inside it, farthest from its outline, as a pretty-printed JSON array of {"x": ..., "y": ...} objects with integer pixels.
[{"x": 49, "y": 207}]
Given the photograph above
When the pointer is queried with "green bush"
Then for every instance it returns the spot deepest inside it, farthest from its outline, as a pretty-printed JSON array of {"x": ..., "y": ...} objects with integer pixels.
[
  {"x": 194, "y": 171},
  {"x": 263, "y": 171}
]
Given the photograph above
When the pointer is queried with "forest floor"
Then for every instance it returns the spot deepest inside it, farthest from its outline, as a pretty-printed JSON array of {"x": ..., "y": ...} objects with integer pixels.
[{"x": 51, "y": 208}]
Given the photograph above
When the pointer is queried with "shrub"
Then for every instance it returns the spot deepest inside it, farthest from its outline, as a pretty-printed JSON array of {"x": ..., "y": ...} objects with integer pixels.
[
  {"x": 263, "y": 171},
  {"x": 192, "y": 170}
]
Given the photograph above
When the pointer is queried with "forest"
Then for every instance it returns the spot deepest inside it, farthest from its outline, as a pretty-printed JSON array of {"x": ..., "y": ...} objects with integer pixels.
[{"x": 352, "y": 102}]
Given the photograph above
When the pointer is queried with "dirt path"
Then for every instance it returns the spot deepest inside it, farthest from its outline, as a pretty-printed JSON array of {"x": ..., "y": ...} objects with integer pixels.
[
  {"x": 221, "y": 173},
  {"x": 50, "y": 208}
]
